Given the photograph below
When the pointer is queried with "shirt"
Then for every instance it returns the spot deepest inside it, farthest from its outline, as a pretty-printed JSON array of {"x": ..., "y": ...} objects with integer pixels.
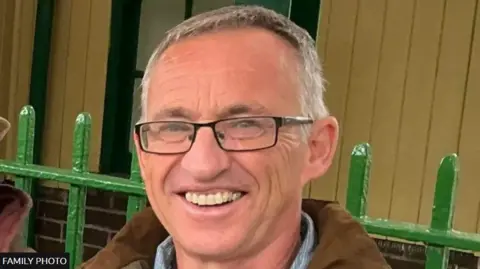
[{"x": 165, "y": 257}]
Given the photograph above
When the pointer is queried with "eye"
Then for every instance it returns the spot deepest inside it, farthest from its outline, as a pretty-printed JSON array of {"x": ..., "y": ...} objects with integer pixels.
[
  {"x": 173, "y": 127},
  {"x": 245, "y": 124}
]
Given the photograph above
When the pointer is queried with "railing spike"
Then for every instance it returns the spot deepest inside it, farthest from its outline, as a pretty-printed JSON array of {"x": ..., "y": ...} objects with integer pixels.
[
  {"x": 25, "y": 147},
  {"x": 443, "y": 210},
  {"x": 78, "y": 193},
  {"x": 358, "y": 180}
]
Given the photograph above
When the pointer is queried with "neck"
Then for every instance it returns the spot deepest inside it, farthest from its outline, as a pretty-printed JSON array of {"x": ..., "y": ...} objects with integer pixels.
[{"x": 278, "y": 253}]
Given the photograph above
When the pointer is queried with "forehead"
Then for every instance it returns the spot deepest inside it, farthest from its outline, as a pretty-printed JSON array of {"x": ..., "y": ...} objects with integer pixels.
[{"x": 209, "y": 74}]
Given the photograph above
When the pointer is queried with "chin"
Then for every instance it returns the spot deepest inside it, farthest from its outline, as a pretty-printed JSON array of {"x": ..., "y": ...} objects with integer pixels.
[{"x": 211, "y": 243}]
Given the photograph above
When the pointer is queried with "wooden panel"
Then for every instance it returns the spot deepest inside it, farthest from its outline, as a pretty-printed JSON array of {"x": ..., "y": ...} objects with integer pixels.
[
  {"x": 96, "y": 73},
  {"x": 75, "y": 75},
  {"x": 387, "y": 109},
  {"x": 52, "y": 135},
  {"x": 7, "y": 9},
  {"x": 5, "y": 38},
  {"x": 322, "y": 39},
  {"x": 468, "y": 198},
  {"x": 447, "y": 108},
  {"x": 362, "y": 85},
  {"x": 4, "y": 65},
  {"x": 9, "y": 139},
  {"x": 24, "y": 22},
  {"x": 399, "y": 83},
  {"x": 339, "y": 48},
  {"x": 473, "y": 84},
  {"x": 416, "y": 110}
]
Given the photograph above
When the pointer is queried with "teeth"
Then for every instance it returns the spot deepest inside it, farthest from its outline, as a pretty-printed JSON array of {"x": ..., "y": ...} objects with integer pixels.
[
  {"x": 236, "y": 196},
  {"x": 212, "y": 198},
  {"x": 218, "y": 198}
]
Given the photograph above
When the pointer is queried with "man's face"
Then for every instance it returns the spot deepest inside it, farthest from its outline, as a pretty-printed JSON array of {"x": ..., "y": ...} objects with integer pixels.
[{"x": 234, "y": 73}]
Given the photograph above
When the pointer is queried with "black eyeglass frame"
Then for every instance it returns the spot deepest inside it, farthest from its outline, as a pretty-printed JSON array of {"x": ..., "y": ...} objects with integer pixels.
[{"x": 279, "y": 122}]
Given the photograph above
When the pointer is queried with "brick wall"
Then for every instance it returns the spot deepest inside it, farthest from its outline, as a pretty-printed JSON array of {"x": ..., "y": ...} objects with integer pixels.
[
  {"x": 105, "y": 215},
  {"x": 410, "y": 256}
]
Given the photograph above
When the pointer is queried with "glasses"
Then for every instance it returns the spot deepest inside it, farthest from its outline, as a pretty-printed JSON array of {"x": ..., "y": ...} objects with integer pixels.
[{"x": 235, "y": 134}]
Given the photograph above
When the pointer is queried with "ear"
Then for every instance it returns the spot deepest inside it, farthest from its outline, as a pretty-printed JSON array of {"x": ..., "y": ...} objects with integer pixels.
[
  {"x": 142, "y": 156},
  {"x": 322, "y": 145}
]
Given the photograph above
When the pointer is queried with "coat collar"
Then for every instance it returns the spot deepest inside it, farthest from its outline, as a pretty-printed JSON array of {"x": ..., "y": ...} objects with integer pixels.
[{"x": 342, "y": 242}]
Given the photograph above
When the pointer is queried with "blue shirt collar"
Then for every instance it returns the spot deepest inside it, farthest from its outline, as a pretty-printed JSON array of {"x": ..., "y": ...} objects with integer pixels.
[{"x": 165, "y": 257}]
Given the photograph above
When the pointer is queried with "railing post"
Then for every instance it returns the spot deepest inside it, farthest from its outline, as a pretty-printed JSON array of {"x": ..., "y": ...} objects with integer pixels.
[
  {"x": 443, "y": 209},
  {"x": 135, "y": 203},
  {"x": 77, "y": 194},
  {"x": 25, "y": 147},
  {"x": 358, "y": 180}
]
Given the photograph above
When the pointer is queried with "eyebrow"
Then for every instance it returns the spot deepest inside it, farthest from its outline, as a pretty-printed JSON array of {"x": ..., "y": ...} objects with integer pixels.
[
  {"x": 173, "y": 112},
  {"x": 238, "y": 109}
]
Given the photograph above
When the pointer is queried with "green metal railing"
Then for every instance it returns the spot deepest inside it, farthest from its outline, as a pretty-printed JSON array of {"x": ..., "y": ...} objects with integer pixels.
[{"x": 439, "y": 236}]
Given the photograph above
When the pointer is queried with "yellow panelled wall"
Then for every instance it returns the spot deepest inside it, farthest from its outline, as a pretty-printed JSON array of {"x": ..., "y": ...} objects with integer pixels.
[
  {"x": 77, "y": 77},
  {"x": 402, "y": 75},
  {"x": 6, "y": 32},
  {"x": 405, "y": 77},
  {"x": 17, "y": 25},
  {"x": 78, "y": 63}
]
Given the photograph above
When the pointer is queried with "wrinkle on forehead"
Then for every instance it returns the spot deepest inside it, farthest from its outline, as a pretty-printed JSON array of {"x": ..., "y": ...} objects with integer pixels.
[
  {"x": 178, "y": 59},
  {"x": 225, "y": 63}
]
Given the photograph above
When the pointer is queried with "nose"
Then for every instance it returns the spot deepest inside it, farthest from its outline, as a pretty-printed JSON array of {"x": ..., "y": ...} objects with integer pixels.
[{"x": 205, "y": 160}]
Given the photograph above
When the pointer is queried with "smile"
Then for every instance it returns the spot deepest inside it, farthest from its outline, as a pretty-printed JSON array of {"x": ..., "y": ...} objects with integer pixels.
[
  {"x": 213, "y": 205},
  {"x": 212, "y": 199}
]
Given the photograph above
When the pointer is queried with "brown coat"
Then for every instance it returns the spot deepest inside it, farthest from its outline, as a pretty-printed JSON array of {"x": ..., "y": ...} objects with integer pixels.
[{"x": 343, "y": 243}]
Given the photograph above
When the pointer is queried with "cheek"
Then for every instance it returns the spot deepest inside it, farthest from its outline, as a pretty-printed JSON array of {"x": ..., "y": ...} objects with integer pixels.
[
  {"x": 156, "y": 172},
  {"x": 291, "y": 152},
  {"x": 274, "y": 170},
  {"x": 275, "y": 179},
  {"x": 287, "y": 160}
]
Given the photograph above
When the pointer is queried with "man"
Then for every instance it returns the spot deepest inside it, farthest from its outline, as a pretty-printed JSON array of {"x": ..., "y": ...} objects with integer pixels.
[
  {"x": 14, "y": 207},
  {"x": 233, "y": 127}
]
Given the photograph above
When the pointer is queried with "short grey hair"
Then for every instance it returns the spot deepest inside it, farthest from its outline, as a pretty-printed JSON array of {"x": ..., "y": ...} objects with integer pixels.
[{"x": 238, "y": 17}]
